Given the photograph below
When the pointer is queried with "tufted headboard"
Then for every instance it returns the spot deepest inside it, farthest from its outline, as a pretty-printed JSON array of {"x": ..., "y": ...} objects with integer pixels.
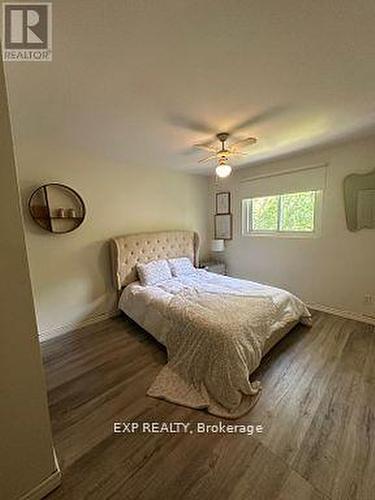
[{"x": 131, "y": 249}]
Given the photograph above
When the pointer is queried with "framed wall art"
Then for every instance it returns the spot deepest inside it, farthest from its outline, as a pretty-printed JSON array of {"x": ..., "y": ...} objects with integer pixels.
[
  {"x": 223, "y": 226},
  {"x": 223, "y": 203}
]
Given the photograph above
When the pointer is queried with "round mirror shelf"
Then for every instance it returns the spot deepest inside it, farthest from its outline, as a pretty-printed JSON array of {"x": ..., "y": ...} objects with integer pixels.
[{"x": 57, "y": 208}]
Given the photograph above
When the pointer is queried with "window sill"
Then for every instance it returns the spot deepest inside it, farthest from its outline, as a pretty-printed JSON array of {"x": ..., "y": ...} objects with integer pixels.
[{"x": 302, "y": 236}]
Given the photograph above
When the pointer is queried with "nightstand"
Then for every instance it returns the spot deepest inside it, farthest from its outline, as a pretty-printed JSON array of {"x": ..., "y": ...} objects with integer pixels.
[{"x": 214, "y": 267}]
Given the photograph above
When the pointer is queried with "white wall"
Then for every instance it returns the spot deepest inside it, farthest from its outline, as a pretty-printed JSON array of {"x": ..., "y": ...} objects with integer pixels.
[
  {"x": 26, "y": 455},
  {"x": 335, "y": 270},
  {"x": 71, "y": 274}
]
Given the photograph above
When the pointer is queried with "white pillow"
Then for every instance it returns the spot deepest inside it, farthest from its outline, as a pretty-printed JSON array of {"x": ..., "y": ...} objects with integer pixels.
[
  {"x": 154, "y": 272},
  {"x": 181, "y": 266}
]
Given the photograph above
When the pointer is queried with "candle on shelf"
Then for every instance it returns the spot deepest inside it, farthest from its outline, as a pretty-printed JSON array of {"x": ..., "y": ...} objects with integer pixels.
[
  {"x": 72, "y": 213},
  {"x": 60, "y": 212}
]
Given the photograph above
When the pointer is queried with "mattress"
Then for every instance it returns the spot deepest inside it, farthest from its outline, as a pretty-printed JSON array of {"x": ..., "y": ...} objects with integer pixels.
[{"x": 144, "y": 304}]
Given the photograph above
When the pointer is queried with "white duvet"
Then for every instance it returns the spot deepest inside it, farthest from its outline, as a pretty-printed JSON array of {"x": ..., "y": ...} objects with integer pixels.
[
  {"x": 215, "y": 329},
  {"x": 136, "y": 300}
]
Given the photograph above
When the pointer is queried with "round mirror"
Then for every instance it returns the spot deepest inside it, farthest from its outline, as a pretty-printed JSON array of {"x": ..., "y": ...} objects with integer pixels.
[{"x": 57, "y": 208}]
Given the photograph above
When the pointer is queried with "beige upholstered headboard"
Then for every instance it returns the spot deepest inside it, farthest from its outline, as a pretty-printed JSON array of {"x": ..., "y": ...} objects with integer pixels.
[{"x": 129, "y": 250}]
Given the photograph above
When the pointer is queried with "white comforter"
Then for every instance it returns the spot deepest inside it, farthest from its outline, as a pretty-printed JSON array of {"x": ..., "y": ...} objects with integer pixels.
[
  {"x": 136, "y": 300},
  {"x": 215, "y": 329}
]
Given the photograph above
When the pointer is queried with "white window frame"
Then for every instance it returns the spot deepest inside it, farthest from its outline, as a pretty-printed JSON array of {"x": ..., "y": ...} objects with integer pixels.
[{"x": 247, "y": 219}]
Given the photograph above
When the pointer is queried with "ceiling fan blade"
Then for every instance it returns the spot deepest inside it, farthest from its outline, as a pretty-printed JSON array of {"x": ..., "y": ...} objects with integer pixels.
[
  {"x": 206, "y": 148},
  {"x": 249, "y": 141},
  {"x": 208, "y": 158},
  {"x": 197, "y": 147},
  {"x": 239, "y": 153},
  {"x": 208, "y": 143},
  {"x": 191, "y": 124},
  {"x": 260, "y": 117}
]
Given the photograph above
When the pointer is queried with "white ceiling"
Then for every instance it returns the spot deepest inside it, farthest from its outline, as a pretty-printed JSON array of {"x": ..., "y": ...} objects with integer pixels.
[{"x": 127, "y": 77}]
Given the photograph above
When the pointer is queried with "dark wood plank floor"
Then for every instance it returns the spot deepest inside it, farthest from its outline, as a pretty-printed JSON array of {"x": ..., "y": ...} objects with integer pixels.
[{"x": 317, "y": 408}]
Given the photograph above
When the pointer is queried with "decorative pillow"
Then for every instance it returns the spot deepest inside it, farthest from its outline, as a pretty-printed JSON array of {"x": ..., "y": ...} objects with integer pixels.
[
  {"x": 181, "y": 266},
  {"x": 154, "y": 272}
]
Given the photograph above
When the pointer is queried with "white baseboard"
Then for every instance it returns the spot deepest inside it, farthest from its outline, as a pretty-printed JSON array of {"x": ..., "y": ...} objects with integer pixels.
[
  {"x": 46, "y": 486},
  {"x": 68, "y": 327},
  {"x": 74, "y": 325},
  {"x": 364, "y": 318}
]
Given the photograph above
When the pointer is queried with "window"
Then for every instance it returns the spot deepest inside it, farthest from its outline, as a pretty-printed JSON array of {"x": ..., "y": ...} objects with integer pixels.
[{"x": 291, "y": 214}]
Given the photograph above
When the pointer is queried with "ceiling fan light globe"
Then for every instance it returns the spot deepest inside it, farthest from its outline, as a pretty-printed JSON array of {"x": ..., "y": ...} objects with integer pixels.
[{"x": 223, "y": 170}]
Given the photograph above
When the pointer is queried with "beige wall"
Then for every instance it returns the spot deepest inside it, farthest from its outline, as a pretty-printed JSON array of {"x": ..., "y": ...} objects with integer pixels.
[
  {"x": 26, "y": 456},
  {"x": 335, "y": 270},
  {"x": 71, "y": 273}
]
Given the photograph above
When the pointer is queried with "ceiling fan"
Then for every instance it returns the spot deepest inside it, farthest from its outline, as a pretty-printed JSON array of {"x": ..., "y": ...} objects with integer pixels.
[{"x": 225, "y": 152}]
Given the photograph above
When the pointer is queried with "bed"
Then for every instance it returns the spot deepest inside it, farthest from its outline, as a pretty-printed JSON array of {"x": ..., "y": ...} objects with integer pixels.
[{"x": 216, "y": 329}]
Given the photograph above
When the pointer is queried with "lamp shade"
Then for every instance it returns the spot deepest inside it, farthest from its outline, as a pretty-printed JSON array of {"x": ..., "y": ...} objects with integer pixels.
[
  {"x": 217, "y": 245},
  {"x": 223, "y": 170}
]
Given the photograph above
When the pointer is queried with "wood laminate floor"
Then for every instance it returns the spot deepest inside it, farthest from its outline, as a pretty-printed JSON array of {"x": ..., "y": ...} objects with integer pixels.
[{"x": 317, "y": 409}]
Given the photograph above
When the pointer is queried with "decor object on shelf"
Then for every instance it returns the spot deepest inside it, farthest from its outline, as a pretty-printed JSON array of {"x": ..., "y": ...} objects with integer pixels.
[
  {"x": 40, "y": 211},
  {"x": 217, "y": 245},
  {"x": 71, "y": 212},
  {"x": 223, "y": 227},
  {"x": 359, "y": 198},
  {"x": 57, "y": 208},
  {"x": 60, "y": 213},
  {"x": 223, "y": 203}
]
